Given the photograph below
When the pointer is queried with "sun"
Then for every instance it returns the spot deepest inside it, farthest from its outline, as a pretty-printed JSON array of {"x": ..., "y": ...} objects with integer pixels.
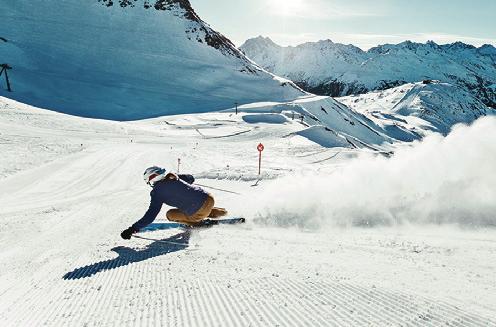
[{"x": 287, "y": 7}]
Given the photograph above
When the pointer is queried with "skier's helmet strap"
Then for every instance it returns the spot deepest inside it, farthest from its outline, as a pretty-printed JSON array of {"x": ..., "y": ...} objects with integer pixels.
[{"x": 153, "y": 174}]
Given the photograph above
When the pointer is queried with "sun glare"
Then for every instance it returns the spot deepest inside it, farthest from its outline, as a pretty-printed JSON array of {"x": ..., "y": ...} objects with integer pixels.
[{"x": 287, "y": 7}]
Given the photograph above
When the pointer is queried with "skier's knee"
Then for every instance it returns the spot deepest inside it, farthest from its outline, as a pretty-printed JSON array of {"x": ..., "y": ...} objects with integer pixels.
[
  {"x": 176, "y": 215},
  {"x": 170, "y": 214}
]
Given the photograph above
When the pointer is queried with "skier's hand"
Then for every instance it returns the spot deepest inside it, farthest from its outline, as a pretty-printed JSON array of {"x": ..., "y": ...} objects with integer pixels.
[{"x": 128, "y": 232}]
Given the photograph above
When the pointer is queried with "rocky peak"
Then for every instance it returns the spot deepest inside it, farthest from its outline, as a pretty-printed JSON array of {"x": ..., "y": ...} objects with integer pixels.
[
  {"x": 457, "y": 46},
  {"x": 259, "y": 43},
  {"x": 487, "y": 50}
]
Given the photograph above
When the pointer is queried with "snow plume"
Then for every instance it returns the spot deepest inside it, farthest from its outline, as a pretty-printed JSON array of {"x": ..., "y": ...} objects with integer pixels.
[{"x": 440, "y": 180}]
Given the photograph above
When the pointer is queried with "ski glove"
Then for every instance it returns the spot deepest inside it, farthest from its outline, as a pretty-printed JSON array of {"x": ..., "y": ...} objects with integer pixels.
[{"x": 128, "y": 232}]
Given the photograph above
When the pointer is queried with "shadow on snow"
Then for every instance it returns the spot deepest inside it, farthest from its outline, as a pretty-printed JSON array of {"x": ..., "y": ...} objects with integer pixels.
[{"x": 128, "y": 255}]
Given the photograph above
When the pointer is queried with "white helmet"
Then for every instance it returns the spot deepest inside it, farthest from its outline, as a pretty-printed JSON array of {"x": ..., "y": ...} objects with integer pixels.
[{"x": 153, "y": 174}]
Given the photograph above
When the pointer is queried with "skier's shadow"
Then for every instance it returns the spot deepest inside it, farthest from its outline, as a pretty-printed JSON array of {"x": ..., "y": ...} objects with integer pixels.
[{"x": 127, "y": 255}]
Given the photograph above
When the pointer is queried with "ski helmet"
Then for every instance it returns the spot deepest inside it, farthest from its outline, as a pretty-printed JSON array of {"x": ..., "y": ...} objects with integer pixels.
[{"x": 153, "y": 174}]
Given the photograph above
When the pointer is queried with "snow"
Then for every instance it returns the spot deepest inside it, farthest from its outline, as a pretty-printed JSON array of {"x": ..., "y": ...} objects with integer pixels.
[
  {"x": 265, "y": 118},
  {"x": 125, "y": 63},
  {"x": 413, "y": 110},
  {"x": 336, "y": 69},
  {"x": 335, "y": 236},
  {"x": 376, "y": 209},
  {"x": 440, "y": 180},
  {"x": 325, "y": 137}
]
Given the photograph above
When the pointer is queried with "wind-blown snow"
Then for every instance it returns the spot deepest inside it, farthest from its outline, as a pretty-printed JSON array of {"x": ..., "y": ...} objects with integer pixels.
[{"x": 439, "y": 180}]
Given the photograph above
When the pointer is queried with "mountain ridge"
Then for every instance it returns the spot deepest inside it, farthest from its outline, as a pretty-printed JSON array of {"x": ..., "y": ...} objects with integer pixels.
[
  {"x": 456, "y": 44},
  {"x": 328, "y": 68}
]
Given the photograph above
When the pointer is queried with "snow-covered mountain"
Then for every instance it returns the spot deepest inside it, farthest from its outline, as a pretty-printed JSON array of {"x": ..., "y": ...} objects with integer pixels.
[
  {"x": 329, "y": 68},
  {"x": 413, "y": 110},
  {"x": 126, "y": 59},
  {"x": 377, "y": 120}
]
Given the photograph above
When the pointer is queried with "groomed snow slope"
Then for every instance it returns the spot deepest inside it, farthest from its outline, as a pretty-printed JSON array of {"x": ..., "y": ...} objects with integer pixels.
[
  {"x": 69, "y": 186},
  {"x": 125, "y": 60}
]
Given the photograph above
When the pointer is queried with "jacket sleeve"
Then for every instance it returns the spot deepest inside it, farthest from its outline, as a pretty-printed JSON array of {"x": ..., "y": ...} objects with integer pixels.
[
  {"x": 187, "y": 178},
  {"x": 151, "y": 213}
]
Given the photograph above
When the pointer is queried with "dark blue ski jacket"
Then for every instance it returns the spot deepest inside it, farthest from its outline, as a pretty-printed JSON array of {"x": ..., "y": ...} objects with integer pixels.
[{"x": 179, "y": 193}]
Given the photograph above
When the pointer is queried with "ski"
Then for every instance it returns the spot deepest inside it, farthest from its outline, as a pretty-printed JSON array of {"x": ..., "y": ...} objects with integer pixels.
[
  {"x": 212, "y": 222},
  {"x": 203, "y": 224}
]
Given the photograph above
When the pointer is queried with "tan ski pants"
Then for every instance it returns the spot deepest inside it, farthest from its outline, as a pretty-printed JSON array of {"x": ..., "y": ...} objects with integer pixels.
[{"x": 206, "y": 210}]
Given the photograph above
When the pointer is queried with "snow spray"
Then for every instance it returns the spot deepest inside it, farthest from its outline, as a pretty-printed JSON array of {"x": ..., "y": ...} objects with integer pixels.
[{"x": 439, "y": 180}]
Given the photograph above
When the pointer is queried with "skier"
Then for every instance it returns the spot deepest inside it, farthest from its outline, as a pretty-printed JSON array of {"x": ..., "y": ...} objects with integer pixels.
[{"x": 192, "y": 203}]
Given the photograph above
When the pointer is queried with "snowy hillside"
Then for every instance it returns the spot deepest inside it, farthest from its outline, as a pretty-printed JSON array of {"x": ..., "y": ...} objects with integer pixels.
[
  {"x": 410, "y": 111},
  {"x": 328, "y": 122},
  {"x": 378, "y": 120},
  {"x": 126, "y": 59},
  {"x": 70, "y": 185},
  {"x": 335, "y": 69}
]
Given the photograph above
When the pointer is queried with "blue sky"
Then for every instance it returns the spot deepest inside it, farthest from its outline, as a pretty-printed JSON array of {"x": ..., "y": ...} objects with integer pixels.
[{"x": 364, "y": 23}]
